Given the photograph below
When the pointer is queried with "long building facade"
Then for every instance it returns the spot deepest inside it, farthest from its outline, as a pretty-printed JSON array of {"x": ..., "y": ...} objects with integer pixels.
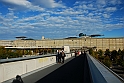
[{"x": 73, "y": 43}]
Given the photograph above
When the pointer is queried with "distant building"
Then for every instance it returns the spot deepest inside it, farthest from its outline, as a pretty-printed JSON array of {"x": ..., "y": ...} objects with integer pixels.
[
  {"x": 73, "y": 43},
  {"x": 8, "y": 43}
]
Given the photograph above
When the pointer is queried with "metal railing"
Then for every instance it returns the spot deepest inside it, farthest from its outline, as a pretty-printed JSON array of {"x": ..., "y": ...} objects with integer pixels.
[{"x": 100, "y": 73}]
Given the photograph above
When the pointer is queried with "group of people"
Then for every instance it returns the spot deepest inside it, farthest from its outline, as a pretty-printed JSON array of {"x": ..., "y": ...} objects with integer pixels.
[
  {"x": 60, "y": 57},
  {"x": 77, "y": 53}
]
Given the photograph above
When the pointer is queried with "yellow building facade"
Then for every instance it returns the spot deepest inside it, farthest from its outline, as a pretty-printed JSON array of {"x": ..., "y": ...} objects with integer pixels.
[{"x": 73, "y": 43}]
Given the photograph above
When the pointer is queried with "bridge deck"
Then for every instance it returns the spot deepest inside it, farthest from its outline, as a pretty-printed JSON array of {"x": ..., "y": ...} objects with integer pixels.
[
  {"x": 72, "y": 71},
  {"x": 82, "y": 69}
]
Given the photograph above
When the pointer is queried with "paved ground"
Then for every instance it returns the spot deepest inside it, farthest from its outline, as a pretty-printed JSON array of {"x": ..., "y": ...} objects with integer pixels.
[
  {"x": 71, "y": 72},
  {"x": 74, "y": 70},
  {"x": 36, "y": 75}
]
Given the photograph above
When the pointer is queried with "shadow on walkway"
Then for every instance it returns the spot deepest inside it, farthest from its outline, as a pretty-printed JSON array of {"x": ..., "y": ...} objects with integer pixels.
[{"x": 75, "y": 71}]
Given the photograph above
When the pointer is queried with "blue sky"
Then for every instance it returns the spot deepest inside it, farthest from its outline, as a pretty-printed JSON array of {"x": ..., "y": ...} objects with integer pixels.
[{"x": 61, "y": 18}]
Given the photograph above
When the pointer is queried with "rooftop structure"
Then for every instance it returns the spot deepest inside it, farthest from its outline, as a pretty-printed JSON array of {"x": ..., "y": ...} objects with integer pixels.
[{"x": 20, "y": 37}]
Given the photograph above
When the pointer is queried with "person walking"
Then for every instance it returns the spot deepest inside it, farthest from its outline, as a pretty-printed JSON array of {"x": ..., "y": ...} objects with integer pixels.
[
  {"x": 59, "y": 56},
  {"x": 63, "y": 56},
  {"x": 75, "y": 53}
]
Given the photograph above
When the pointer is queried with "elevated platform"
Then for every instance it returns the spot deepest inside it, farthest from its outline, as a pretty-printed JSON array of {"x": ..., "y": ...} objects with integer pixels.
[{"x": 81, "y": 69}]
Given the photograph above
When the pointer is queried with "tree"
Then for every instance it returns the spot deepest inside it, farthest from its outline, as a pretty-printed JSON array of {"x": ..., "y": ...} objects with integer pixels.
[
  {"x": 100, "y": 52},
  {"x": 3, "y": 52},
  {"x": 107, "y": 61},
  {"x": 114, "y": 55},
  {"x": 119, "y": 51},
  {"x": 122, "y": 54},
  {"x": 17, "y": 53},
  {"x": 90, "y": 51},
  {"x": 93, "y": 53},
  {"x": 107, "y": 52}
]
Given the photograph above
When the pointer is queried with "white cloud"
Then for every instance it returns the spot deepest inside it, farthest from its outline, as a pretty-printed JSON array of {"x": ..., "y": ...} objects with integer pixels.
[
  {"x": 84, "y": 17},
  {"x": 17, "y": 2},
  {"x": 21, "y": 5},
  {"x": 106, "y": 15},
  {"x": 109, "y": 2},
  {"x": 90, "y": 5},
  {"x": 34, "y": 5},
  {"x": 111, "y": 9},
  {"x": 90, "y": 14},
  {"x": 47, "y": 3},
  {"x": 70, "y": 12},
  {"x": 88, "y": 19},
  {"x": 84, "y": 5},
  {"x": 114, "y": 2},
  {"x": 113, "y": 26},
  {"x": 101, "y": 2}
]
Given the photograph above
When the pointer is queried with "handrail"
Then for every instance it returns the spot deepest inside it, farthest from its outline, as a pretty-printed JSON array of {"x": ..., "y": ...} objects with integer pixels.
[
  {"x": 101, "y": 74},
  {"x": 24, "y": 58}
]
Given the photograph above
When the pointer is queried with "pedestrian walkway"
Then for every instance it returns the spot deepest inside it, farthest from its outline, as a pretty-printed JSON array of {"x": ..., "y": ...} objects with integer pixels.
[
  {"x": 80, "y": 69},
  {"x": 36, "y": 75},
  {"x": 72, "y": 71}
]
